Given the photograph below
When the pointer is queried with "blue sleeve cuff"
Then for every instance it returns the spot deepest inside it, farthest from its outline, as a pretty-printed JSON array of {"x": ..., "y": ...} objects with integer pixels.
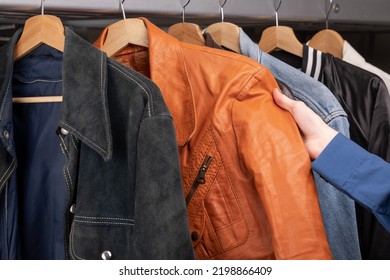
[
  {"x": 359, "y": 174},
  {"x": 339, "y": 160}
]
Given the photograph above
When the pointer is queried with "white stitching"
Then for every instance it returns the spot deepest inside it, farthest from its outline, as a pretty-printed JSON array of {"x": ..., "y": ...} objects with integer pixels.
[
  {"x": 64, "y": 144},
  {"x": 101, "y": 88},
  {"x": 102, "y": 223},
  {"x": 63, "y": 151},
  {"x": 104, "y": 218},
  {"x": 101, "y": 73},
  {"x": 103, "y": 96},
  {"x": 69, "y": 194},
  {"x": 6, "y": 98},
  {"x": 72, "y": 242},
  {"x": 149, "y": 99},
  {"x": 63, "y": 147},
  {"x": 70, "y": 177},
  {"x": 7, "y": 171},
  {"x": 81, "y": 136},
  {"x": 39, "y": 80},
  {"x": 72, "y": 230},
  {"x": 66, "y": 179},
  {"x": 74, "y": 143}
]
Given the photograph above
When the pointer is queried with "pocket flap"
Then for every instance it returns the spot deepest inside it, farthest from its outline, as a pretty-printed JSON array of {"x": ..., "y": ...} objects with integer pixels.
[{"x": 97, "y": 238}]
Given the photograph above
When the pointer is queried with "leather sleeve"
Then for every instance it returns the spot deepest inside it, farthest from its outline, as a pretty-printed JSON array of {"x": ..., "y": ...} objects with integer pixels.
[{"x": 274, "y": 155}]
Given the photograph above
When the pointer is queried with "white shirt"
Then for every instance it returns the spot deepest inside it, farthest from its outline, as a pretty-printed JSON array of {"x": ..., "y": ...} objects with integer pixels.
[{"x": 350, "y": 55}]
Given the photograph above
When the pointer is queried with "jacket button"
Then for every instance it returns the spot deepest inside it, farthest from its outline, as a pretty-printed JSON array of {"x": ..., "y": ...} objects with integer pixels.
[
  {"x": 6, "y": 134},
  {"x": 194, "y": 236},
  {"x": 64, "y": 131},
  {"x": 106, "y": 255},
  {"x": 73, "y": 208}
]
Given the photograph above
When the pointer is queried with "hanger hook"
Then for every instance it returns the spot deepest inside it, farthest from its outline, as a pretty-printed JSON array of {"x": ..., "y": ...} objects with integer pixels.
[
  {"x": 221, "y": 5},
  {"x": 123, "y": 8},
  {"x": 328, "y": 13},
  {"x": 184, "y": 9},
  {"x": 277, "y": 4},
  {"x": 42, "y": 7}
]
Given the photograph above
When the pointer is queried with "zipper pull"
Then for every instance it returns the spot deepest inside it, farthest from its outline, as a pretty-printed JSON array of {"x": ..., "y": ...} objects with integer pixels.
[
  {"x": 202, "y": 172},
  {"x": 200, "y": 178}
]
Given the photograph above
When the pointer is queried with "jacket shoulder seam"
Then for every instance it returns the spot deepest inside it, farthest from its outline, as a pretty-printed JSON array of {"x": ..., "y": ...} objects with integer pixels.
[
  {"x": 255, "y": 77},
  {"x": 241, "y": 59},
  {"x": 257, "y": 68},
  {"x": 143, "y": 87},
  {"x": 159, "y": 116}
]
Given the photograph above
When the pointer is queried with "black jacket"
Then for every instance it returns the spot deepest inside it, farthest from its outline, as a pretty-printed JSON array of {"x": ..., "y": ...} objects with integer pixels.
[
  {"x": 111, "y": 175},
  {"x": 365, "y": 98}
]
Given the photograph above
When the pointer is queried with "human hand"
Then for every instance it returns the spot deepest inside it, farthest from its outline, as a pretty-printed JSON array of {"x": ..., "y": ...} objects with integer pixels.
[{"x": 315, "y": 133}]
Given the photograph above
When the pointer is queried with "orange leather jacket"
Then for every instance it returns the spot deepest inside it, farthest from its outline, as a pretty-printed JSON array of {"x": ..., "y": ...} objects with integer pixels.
[{"x": 247, "y": 177}]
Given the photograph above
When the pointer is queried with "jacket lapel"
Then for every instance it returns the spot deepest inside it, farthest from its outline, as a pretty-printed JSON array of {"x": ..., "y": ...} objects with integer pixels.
[
  {"x": 84, "y": 109},
  {"x": 168, "y": 71}
]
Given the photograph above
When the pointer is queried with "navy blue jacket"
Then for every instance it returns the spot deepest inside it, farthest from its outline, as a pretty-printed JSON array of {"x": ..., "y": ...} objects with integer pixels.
[{"x": 359, "y": 174}]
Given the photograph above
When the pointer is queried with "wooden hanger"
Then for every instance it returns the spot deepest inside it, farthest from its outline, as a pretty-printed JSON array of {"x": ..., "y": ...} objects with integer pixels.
[
  {"x": 280, "y": 37},
  {"x": 124, "y": 32},
  {"x": 327, "y": 40},
  {"x": 187, "y": 32},
  {"x": 38, "y": 30},
  {"x": 225, "y": 34}
]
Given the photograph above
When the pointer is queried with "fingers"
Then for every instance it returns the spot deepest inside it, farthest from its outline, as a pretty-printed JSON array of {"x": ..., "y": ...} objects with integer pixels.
[
  {"x": 315, "y": 133},
  {"x": 282, "y": 101}
]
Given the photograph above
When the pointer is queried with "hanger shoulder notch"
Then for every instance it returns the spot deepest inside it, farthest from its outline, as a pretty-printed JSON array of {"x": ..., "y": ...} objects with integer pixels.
[
  {"x": 280, "y": 37},
  {"x": 187, "y": 32},
  {"x": 41, "y": 29},
  {"x": 225, "y": 34},
  {"x": 124, "y": 32},
  {"x": 328, "y": 41}
]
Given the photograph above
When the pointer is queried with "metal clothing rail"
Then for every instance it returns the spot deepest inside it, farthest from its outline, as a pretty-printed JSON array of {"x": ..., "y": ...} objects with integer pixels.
[{"x": 95, "y": 12}]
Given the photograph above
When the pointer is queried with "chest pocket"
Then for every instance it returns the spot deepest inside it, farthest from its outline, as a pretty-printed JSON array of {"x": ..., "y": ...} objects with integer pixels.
[
  {"x": 95, "y": 238},
  {"x": 215, "y": 217}
]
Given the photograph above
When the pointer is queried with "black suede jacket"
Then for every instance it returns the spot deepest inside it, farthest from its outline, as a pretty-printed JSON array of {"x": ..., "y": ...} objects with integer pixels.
[{"x": 123, "y": 190}]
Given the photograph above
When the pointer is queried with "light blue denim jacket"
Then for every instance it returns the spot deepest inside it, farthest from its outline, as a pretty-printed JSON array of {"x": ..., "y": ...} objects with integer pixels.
[{"x": 338, "y": 210}]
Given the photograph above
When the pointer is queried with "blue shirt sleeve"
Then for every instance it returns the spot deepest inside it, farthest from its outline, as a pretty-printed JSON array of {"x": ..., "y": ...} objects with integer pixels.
[{"x": 361, "y": 175}]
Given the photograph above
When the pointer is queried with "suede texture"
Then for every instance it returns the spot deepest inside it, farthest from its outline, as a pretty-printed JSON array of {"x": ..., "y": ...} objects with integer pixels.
[{"x": 122, "y": 172}]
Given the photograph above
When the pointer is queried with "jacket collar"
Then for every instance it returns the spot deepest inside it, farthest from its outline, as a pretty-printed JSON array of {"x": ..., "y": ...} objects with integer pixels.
[
  {"x": 312, "y": 62},
  {"x": 84, "y": 107},
  {"x": 350, "y": 54},
  {"x": 168, "y": 70},
  {"x": 248, "y": 47},
  {"x": 6, "y": 68},
  {"x": 167, "y": 64}
]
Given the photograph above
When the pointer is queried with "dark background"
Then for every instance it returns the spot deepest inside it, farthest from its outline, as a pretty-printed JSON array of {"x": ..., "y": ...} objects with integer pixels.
[{"x": 372, "y": 42}]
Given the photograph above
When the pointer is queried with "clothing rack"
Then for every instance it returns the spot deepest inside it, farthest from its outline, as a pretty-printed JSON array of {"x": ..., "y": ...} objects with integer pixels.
[{"x": 245, "y": 12}]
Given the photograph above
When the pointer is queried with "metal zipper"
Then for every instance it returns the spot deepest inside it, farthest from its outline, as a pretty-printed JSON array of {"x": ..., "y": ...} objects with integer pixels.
[{"x": 200, "y": 178}]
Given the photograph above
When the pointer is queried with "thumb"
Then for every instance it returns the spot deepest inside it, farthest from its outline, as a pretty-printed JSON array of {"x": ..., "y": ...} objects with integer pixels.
[{"x": 282, "y": 101}]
